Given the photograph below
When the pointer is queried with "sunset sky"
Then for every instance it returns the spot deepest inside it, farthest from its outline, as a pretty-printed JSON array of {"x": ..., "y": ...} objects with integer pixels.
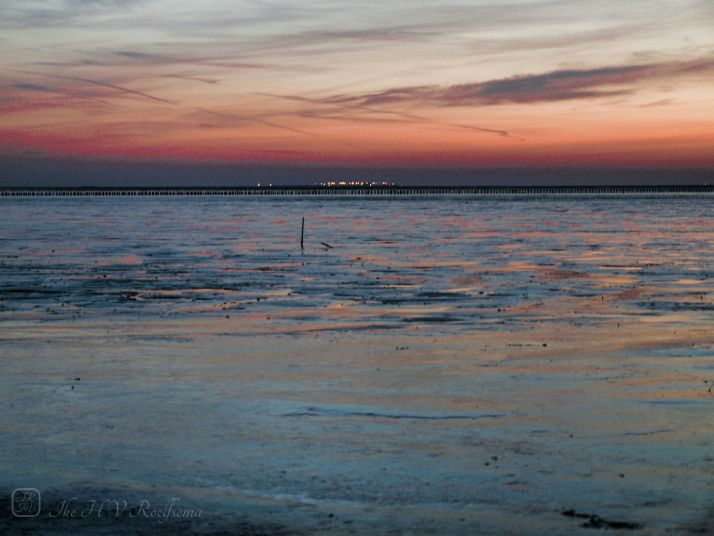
[{"x": 371, "y": 83}]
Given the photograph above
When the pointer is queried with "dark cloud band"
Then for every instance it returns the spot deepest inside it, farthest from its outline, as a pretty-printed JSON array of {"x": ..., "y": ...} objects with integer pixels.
[{"x": 567, "y": 84}]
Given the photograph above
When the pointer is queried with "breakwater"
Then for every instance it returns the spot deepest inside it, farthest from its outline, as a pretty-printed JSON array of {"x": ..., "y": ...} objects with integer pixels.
[{"x": 359, "y": 191}]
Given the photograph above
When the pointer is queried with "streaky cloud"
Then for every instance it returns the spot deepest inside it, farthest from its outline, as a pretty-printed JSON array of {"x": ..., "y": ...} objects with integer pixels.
[
  {"x": 339, "y": 103},
  {"x": 136, "y": 55},
  {"x": 553, "y": 86},
  {"x": 35, "y": 87},
  {"x": 27, "y": 14},
  {"x": 192, "y": 78},
  {"x": 160, "y": 59},
  {"x": 100, "y": 83}
]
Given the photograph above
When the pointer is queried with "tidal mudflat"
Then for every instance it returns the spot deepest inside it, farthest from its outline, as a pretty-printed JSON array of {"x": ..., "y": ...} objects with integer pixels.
[{"x": 446, "y": 366}]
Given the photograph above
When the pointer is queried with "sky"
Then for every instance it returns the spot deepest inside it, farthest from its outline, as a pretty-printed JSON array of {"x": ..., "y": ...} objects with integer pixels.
[{"x": 352, "y": 87}]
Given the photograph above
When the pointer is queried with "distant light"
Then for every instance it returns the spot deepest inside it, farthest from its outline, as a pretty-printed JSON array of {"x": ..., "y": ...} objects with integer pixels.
[{"x": 355, "y": 183}]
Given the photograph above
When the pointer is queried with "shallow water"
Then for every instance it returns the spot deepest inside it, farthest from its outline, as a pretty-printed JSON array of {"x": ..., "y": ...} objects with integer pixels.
[{"x": 447, "y": 365}]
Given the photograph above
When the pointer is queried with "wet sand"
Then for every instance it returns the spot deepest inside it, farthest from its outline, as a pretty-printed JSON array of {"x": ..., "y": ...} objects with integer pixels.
[{"x": 449, "y": 366}]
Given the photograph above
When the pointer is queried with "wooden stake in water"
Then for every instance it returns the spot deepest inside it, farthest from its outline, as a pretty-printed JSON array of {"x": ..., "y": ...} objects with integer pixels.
[{"x": 302, "y": 233}]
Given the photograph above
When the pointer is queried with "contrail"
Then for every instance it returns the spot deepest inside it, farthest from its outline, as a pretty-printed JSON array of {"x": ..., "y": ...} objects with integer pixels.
[
  {"x": 261, "y": 121},
  {"x": 497, "y": 132},
  {"x": 98, "y": 83},
  {"x": 174, "y": 103},
  {"x": 274, "y": 125}
]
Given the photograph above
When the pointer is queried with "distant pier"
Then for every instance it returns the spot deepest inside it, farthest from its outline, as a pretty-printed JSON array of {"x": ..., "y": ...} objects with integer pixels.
[{"x": 403, "y": 191}]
